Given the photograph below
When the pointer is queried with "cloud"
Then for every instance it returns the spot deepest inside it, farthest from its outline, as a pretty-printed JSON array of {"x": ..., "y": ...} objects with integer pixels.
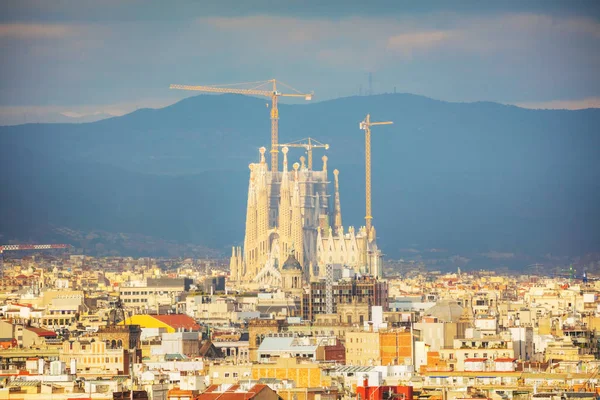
[
  {"x": 410, "y": 250},
  {"x": 11, "y": 115},
  {"x": 415, "y": 40},
  {"x": 506, "y": 57},
  {"x": 495, "y": 255},
  {"x": 459, "y": 260},
  {"x": 98, "y": 114},
  {"x": 384, "y": 39},
  {"x": 589, "y": 102},
  {"x": 434, "y": 250},
  {"x": 35, "y": 31}
]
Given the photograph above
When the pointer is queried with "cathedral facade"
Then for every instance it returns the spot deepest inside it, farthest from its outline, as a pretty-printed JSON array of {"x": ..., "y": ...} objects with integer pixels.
[{"x": 291, "y": 212}]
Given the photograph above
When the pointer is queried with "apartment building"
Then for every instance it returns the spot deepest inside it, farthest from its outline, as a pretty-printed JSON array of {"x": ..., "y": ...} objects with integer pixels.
[
  {"x": 488, "y": 347},
  {"x": 364, "y": 289},
  {"x": 154, "y": 293}
]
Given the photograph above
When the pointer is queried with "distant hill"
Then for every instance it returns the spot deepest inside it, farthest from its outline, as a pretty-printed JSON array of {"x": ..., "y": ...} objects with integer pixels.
[{"x": 469, "y": 179}]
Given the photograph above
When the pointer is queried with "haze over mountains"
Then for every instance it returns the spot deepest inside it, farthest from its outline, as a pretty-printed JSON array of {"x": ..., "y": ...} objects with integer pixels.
[{"x": 494, "y": 184}]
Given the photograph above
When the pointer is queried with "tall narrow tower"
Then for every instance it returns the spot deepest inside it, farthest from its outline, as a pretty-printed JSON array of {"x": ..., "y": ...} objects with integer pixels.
[
  {"x": 285, "y": 210},
  {"x": 250, "y": 237},
  {"x": 233, "y": 264},
  {"x": 337, "y": 222},
  {"x": 262, "y": 212},
  {"x": 366, "y": 126},
  {"x": 297, "y": 228}
]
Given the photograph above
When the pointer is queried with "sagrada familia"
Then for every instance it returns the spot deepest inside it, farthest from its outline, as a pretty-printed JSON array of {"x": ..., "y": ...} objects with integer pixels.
[{"x": 292, "y": 226}]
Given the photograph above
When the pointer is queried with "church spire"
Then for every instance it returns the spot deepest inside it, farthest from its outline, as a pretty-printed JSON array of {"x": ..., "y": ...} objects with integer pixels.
[
  {"x": 240, "y": 266},
  {"x": 338, "y": 207},
  {"x": 250, "y": 238},
  {"x": 233, "y": 265},
  {"x": 285, "y": 205},
  {"x": 297, "y": 230},
  {"x": 262, "y": 155},
  {"x": 262, "y": 214}
]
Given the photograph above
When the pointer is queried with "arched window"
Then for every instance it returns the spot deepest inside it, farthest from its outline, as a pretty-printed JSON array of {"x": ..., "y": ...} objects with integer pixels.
[{"x": 119, "y": 344}]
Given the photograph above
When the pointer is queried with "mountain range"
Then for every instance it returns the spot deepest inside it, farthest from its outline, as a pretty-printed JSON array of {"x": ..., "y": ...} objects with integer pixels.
[{"x": 475, "y": 184}]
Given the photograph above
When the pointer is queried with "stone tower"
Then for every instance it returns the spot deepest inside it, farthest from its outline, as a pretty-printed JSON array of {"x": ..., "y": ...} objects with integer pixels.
[
  {"x": 291, "y": 275},
  {"x": 291, "y": 209}
]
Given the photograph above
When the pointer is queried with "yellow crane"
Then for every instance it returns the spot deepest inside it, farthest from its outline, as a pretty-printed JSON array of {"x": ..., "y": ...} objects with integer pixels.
[
  {"x": 258, "y": 90},
  {"x": 366, "y": 126},
  {"x": 308, "y": 145}
]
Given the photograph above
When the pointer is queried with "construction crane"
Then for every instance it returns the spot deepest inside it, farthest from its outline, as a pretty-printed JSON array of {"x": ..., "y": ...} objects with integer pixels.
[
  {"x": 366, "y": 126},
  {"x": 15, "y": 247},
  {"x": 308, "y": 144},
  {"x": 258, "y": 90}
]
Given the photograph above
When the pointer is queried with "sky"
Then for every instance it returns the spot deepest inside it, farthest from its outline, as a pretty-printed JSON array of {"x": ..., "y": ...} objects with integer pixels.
[{"x": 86, "y": 59}]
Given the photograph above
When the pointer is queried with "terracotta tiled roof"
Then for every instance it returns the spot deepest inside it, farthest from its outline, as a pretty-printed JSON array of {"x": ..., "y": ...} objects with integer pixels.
[
  {"x": 178, "y": 321},
  {"x": 230, "y": 394},
  {"x": 42, "y": 332},
  {"x": 21, "y": 305}
]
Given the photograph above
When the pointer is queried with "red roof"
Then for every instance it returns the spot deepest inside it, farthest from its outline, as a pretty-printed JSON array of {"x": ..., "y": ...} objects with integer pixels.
[
  {"x": 178, "y": 321},
  {"x": 505, "y": 359},
  {"x": 42, "y": 332},
  {"x": 21, "y": 305},
  {"x": 475, "y": 359},
  {"x": 230, "y": 394}
]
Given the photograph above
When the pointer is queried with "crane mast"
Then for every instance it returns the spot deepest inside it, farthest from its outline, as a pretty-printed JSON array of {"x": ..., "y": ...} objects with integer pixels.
[
  {"x": 272, "y": 93},
  {"x": 274, "y": 130},
  {"x": 366, "y": 125}
]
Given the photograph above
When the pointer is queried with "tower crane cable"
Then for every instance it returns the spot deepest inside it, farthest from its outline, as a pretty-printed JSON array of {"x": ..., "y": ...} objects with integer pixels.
[
  {"x": 262, "y": 83},
  {"x": 308, "y": 144},
  {"x": 290, "y": 87},
  {"x": 273, "y": 94}
]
